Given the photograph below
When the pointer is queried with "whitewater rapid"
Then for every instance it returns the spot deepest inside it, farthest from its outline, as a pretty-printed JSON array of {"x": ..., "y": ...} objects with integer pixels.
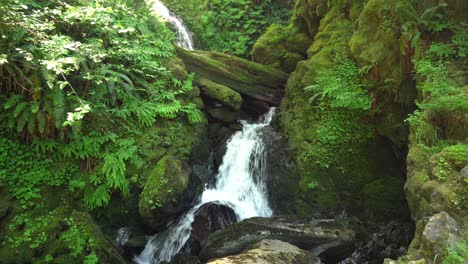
[{"x": 240, "y": 184}]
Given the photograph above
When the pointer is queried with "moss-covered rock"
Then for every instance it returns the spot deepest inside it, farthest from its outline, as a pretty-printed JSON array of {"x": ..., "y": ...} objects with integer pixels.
[
  {"x": 165, "y": 191},
  {"x": 281, "y": 47},
  {"x": 220, "y": 93},
  {"x": 341, "y": 158}
]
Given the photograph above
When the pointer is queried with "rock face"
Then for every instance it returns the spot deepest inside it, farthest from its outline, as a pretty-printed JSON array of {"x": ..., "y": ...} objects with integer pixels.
[
  {"x": 247, "y": 78},
  {"x": 165, "y": 191},
  {"x": 270, "y": 252},
  {"x": 282, "y": 177},
  {"x": 345, "y": 158},
  {"x": 321, "y": 237}
]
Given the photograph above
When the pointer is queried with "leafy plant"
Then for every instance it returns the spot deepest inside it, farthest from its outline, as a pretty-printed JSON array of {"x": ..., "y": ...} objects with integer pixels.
[
  {"x": 230, "y": 26},
  {"x": 342, "y": 86}
]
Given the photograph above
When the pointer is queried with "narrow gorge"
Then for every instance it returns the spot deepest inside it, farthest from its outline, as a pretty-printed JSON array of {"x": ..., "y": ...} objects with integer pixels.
[{"x": 233, "y": 131}]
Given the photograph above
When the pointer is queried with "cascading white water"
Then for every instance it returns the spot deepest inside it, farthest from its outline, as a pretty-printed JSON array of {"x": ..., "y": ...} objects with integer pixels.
[
  {"x": 240, "y": 185},
  {"x": 184, "y": 36}
]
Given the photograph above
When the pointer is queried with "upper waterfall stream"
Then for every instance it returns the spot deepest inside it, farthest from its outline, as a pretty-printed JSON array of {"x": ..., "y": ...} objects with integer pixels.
[
  {"x": 240, "y": 184},
  {"x": 184, "y": 36}
]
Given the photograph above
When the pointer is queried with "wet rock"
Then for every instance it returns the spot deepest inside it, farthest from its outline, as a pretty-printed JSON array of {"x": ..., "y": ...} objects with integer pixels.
[
  {"x": 134, "y": 245},
  {"x": 223, "y": 114},
  {"x": 282, "y": 176},
  {"x": 183, "y": 259},
  {"x": 320, "y": 236},
  {"x": 209, "y": 218},
  {"x": 389, "y": 240},
  {"x": 270, "y": 252}
]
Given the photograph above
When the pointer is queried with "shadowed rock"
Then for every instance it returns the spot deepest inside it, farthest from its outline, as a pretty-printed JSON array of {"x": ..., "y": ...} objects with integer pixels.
[{"x": 320, "y": 236}]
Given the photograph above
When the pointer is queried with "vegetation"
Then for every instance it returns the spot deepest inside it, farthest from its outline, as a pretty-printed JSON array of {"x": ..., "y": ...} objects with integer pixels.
[
  {"x": 68, "y": 64},
  {"x": 230, "y": 26},
  {"x": 96, "y": 110},
  {"x": 80, "y": 82}
]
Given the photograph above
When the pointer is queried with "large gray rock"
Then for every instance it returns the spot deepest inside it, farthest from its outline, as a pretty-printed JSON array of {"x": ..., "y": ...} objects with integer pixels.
[
  {"x": 320, "y": 236},
  {"x": 270, "y": 252},
  {"x": 442, "y": 232}
]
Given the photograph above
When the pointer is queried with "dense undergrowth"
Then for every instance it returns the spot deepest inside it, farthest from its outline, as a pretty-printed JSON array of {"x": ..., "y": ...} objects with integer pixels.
[
  {"x": 230, "y": 26},
  {"x": 79, "y": 83},
  {"x": 66, "y": 66}
]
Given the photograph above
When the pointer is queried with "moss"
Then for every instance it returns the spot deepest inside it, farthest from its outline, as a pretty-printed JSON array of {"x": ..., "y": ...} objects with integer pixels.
[
  {"x": 384, "y": 196},
  {"x": 220, "y": 93},
  {"x": 164, "y": 190},
  {"x": 248, "y": 78},
  {"x": 61, "y": 234},
  {"x": 281, "y": 47},
  {"x": 177, "y": 67},
  {"x": 379, "y": 25}
]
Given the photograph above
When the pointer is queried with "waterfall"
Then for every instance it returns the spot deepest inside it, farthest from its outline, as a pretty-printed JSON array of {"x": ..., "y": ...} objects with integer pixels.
[
  {"x": 184, "y": 36},
  {"x": 240, "y": 184}
]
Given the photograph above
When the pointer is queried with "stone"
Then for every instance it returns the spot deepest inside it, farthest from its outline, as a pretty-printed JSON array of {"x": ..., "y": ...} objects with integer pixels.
[
  {"x": 223, "y": 114},
  {"x": 209, "y": 218},
  {"x": 440, "y": 233},
  {"x": 270, "y": 252},
  {"x": 165, "y": 193},
  {"x": 320, "y": 236}
]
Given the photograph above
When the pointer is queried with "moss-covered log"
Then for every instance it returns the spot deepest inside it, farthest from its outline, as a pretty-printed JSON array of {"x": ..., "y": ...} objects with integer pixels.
[{"x": 248, "y": 78}]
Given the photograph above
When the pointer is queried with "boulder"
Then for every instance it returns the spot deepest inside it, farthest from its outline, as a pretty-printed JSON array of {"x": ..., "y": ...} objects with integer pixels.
[
  {"x": 441, "y": 233},
  {"x": 270, "y": 252},
  {"x": 209, "y": 218},
  {"x": 320, "y": 236},
  {"x": 248, "y": 78},
  {"x": 165, "y": 192}
]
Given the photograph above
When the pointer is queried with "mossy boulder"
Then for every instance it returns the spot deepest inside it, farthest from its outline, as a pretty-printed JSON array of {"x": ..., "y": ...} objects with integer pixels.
[
  {"x": 220, "y": 93},
  {"x": 166, "y": 191},
  {"x": 248, "y": 78},
  {"x": 281, "y": 47}
]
